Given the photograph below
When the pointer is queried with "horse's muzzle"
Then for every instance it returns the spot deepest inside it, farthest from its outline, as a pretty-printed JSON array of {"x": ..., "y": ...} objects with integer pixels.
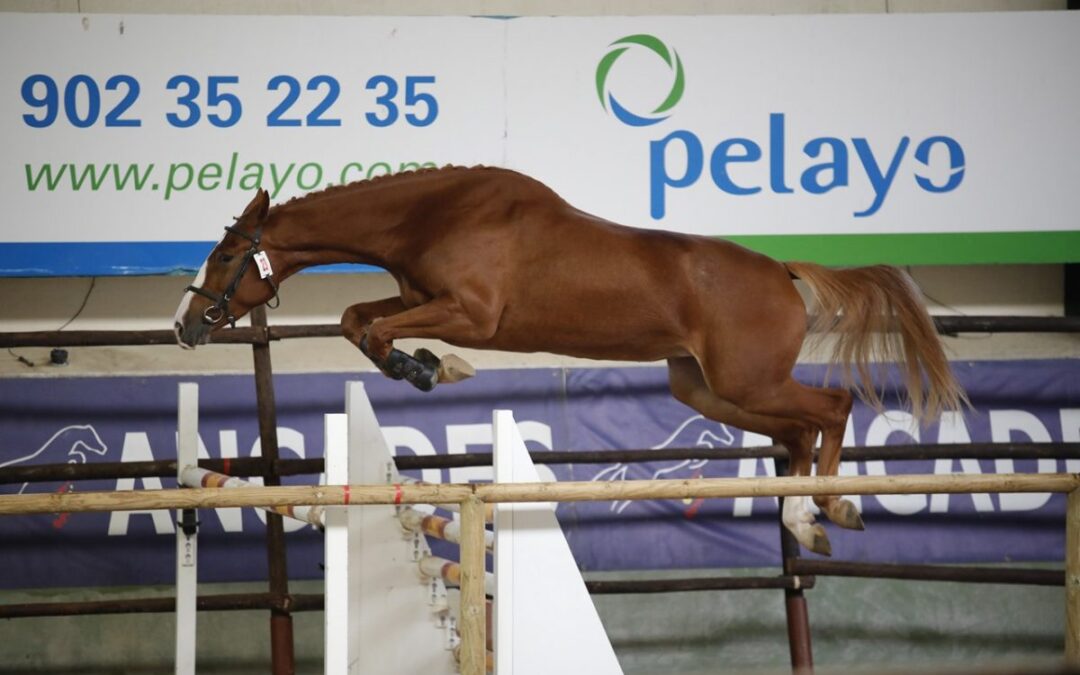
[{"x": 189, "y": 337}]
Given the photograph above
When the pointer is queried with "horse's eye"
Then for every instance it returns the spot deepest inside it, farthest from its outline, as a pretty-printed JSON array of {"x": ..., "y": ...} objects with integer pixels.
[{"x": 225, "y": 258}]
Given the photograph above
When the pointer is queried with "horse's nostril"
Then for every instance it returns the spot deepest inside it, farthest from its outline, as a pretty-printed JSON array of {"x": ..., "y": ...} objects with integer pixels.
[{"x": 178, "y": 330}]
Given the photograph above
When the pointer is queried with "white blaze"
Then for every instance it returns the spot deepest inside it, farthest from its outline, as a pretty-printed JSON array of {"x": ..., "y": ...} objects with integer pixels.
[{"x": 185, "y": 302}]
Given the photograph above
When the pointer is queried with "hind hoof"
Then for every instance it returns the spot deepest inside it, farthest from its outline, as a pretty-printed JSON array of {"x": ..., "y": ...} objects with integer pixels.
[
  {"x": 813, "y": 538},
  {"x": 845, "y": 515},
  {"x": 820, "y": 542}
]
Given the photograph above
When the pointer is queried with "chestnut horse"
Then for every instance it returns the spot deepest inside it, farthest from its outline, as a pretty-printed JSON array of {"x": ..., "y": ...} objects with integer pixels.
[{"x": 491, "y": 259}]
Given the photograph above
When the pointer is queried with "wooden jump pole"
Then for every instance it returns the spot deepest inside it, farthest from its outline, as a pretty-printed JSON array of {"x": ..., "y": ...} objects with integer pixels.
[
  {"x": 194, "y": 476},
  {"x": 445, "y": 493},
  {"x": 472, "y": 624},
  {"x": 439, "y": 527}
]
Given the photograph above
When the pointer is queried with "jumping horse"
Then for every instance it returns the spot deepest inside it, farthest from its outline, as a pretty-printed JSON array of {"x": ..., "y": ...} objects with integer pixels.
[{"x": 492, "y": 259}]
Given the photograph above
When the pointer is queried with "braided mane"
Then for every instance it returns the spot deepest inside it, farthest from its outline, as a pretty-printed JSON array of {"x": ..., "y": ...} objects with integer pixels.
[{"x": 382, "y": 179}]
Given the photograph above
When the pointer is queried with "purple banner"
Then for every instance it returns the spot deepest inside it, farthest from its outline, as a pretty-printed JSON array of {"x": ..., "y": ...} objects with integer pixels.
[{"x": 134, "y": 418}]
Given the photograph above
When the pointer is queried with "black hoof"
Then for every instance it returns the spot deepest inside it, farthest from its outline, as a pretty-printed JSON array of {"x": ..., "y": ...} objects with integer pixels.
[{"x": 425, "y": 357}]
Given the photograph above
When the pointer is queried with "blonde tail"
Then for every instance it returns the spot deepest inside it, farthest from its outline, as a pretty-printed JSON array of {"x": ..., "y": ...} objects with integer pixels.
[{"x": 877, "y": 315}]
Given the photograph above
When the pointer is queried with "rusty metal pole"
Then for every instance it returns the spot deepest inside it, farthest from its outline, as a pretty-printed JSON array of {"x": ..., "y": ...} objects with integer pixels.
[
  {"x": 281, "y": 628},
  {"x": 798, "y": 617}
]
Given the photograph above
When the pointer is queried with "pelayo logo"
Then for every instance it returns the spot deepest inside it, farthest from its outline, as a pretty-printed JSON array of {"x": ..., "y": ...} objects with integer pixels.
[
  {"x": 612, "y": 104},
  {"x": 763, "y": 159}
]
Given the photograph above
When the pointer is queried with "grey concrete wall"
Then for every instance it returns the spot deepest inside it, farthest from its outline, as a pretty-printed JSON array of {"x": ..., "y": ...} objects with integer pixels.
[{"x": 872, "y": 627}]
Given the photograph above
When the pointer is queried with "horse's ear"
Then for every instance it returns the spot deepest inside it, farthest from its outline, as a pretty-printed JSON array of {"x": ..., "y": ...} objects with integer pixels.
[{"x": 258, "y": 207}]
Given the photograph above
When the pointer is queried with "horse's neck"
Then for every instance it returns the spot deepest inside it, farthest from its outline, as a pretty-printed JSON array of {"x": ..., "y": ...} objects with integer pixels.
[{"x": 354, "y": 227}]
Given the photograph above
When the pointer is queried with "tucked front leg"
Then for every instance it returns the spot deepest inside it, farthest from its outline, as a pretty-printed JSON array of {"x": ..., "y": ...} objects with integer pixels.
[
  {"x": 443, "y": 318},
  {"x": 398, "y": 365},
  {"x": 356, "y": 319}
]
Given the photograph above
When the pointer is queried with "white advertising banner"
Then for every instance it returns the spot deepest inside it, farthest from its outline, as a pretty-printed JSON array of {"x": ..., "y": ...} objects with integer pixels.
[{"x": 130, "y": 141}]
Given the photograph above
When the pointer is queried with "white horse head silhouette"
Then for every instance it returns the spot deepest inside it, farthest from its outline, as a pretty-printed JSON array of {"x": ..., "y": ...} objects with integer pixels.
[{"x": 70, "y": 444}]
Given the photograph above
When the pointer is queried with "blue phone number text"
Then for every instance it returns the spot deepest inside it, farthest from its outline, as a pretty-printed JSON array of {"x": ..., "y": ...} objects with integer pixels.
[{"x": 214, "y": 100}]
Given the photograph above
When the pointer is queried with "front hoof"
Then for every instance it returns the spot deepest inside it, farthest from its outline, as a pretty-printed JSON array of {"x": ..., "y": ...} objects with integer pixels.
[
  {"x": 426, "y": 357},
  {"x": 845, "y": 515},
  {"x": 453, "y": 368}
]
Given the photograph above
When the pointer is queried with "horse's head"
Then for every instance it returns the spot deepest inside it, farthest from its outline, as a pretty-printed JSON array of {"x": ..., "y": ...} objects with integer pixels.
[{"x": 236, "y": 277}]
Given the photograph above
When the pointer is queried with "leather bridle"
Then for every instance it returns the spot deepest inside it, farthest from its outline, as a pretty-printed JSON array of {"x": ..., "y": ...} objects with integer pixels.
[{"x": 220, "y": 309}]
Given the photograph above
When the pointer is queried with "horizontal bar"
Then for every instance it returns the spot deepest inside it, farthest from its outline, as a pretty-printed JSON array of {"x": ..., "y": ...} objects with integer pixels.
[
  {"x": 228, "y": 602},
  {"x": 853, "y": 454},
  {"x": 247, "y": 335},
  {"x": 693, "y": 584},
  {"x": 949, "y": 325},
  {"x": 450, "y": 571},
  {"x": 195, "y": 477},
  {"x": 257, "y": 466},
  {"x": 977, "y": 575},
  {"x": 444, "y": 493},
  {"x": 128, "y": 338},
  {"x": 306, "y": 602},
  {"x": 240, "y": 466},
  {"x": 438, "y": 527}
]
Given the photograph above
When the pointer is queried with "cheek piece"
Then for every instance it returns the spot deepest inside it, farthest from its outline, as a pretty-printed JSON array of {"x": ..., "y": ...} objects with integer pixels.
[{"x": 220, "y": 309}]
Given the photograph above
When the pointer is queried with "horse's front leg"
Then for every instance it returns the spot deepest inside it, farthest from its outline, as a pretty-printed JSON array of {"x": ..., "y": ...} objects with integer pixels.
[
  {"x": 442, "y": 318},
  {"x": 356, "y": 319}
]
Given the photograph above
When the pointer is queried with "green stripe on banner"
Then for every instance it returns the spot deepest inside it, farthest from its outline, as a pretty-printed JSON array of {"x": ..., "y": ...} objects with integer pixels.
[{"x": 952, "y": 248}]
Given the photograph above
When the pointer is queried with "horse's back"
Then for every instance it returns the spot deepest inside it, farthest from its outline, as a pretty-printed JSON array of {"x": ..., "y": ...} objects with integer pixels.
[
  {"x": 637, "y": 293},
  {"x": 564, "y": 280}
]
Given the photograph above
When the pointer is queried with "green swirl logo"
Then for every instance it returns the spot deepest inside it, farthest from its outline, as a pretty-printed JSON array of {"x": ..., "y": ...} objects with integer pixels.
[{"x": 607, "y": 98}]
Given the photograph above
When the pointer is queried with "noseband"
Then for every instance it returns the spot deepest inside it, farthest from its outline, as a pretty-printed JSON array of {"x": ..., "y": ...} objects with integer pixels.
[{"x": 220, "y": 309}]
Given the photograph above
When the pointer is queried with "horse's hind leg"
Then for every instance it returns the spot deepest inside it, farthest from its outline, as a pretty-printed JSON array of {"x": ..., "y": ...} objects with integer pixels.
[
  {"x": 840, "y": 511},
  {"x": 688, "y": 385},
  {"x": 828, "y": 410}
]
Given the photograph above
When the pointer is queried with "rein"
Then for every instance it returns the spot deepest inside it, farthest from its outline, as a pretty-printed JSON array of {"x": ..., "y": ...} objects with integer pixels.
[{"x": 220, "y": 309}]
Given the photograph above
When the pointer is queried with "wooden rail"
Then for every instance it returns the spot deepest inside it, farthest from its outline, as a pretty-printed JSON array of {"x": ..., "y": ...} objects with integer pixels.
[{"x": 455, "y": 493}]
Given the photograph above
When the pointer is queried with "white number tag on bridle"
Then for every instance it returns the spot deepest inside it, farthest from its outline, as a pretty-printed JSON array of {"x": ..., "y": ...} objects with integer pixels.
[{"x": 262, "y": 261}]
